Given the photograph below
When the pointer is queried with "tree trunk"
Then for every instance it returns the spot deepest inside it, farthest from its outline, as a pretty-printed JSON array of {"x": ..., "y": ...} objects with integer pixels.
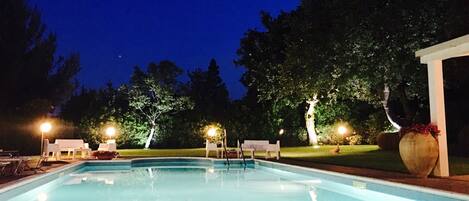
[
  {"x": 409, "y": 113},
  {"x": 150, "y": 137},
  {"x": 309, "y": 117},
  {"x": 387, "y": 110}
]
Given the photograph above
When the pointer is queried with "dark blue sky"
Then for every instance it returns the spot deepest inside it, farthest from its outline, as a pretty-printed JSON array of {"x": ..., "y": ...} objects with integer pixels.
[{"x": 114, "y": 36}]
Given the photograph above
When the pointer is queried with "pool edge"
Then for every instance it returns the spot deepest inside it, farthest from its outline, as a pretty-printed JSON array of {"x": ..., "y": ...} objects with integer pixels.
[
  {"x": 392, "y": 184},
  {"x": 22, "y": 183}
]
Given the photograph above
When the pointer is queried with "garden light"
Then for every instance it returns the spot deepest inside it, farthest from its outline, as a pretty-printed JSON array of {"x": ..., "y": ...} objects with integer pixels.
[
  {"x": 212, "y": 132},
  {"x": 281, "y": 131},
  {"x": 110, "y": 131},
  {"x": 342, "y": 130}
]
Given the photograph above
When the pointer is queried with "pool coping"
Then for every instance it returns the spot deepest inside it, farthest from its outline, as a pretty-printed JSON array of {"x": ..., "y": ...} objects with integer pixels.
[
  {"x": 398, "y": 185},
  {"x": 23, "y": 182},
  {"x": 34, "y": 178}
]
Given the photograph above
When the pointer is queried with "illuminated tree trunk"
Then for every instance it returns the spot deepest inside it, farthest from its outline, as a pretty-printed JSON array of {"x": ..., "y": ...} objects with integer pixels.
[
  {"x": 309, "y": 117},
  {"x": 386, "y": 108},
  {"x": 150, "y": 137}
]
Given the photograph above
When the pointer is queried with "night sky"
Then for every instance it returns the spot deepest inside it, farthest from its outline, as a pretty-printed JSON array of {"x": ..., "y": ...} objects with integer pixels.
[{"x": 114, "y": 36}]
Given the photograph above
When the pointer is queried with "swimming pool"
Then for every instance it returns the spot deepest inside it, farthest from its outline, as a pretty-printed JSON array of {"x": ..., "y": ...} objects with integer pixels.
[{"x": 197, "y": 179}]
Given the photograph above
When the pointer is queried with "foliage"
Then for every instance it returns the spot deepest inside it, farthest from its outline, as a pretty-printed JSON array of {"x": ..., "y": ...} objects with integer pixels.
[
  {"x": 424, "y": 129},
  {"x": 388, "y": 141},
  {"x": 34, "y": 79},
  {"x": 31, "y": 73},
  {"x": 354, "y": 140},
  {"x": 209, "y": 93},
  {"x": 153, "y": 96}
]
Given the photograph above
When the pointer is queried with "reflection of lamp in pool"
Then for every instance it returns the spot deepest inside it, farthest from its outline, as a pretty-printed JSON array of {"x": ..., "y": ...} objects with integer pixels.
[
  {"x": 150, "y": 172},
  {"x": 109, "y": 181},
  {"x": 282, "y": 187},
  {"x": 42, "y": 197},
  {"x": 211, "y": 170},
  {"x": 312, "y": 194}
]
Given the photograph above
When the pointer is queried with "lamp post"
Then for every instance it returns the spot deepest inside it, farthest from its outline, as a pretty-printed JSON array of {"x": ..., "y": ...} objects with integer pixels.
[{"x": 45, "y": 127}]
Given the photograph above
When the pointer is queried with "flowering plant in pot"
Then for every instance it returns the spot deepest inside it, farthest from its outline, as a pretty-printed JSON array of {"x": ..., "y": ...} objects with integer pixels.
[
  {"x": 105, "y": 155},
  {"x": 418, "y": 148}
]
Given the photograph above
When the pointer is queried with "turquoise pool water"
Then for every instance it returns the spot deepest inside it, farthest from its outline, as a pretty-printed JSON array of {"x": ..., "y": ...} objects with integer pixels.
[{"x": 205, "y": 182}]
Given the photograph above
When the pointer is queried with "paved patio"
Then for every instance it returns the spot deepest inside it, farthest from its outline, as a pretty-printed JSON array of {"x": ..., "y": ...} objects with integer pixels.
[{"x": 50, "y": 166}]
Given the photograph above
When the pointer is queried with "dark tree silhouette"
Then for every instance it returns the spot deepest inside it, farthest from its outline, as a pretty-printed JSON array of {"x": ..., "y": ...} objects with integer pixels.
[
  {"x": 31, "y": 77},
  {"x": 209, "y": 93}
]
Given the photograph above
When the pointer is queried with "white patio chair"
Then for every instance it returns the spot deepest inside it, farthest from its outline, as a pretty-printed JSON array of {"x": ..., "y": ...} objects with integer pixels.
[
  {"x": 213, "y": 147},
  {"x": 50, "y": 148}
]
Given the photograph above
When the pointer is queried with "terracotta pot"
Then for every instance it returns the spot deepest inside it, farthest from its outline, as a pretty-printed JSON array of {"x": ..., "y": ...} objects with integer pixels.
[{"x": 419, "y": 152}]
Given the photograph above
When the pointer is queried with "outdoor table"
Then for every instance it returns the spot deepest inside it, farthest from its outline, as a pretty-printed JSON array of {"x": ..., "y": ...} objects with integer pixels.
[
  {"x": 17, "y": 163},
  {"x": 12, "y": 153}
]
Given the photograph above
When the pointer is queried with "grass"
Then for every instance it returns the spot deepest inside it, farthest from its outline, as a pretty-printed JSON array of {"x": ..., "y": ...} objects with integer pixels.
[{"x": 366, "y": 156}]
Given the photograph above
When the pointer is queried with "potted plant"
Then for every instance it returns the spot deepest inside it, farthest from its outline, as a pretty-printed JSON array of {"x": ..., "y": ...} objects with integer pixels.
[
  {"x": 418, "y": 148},
  {"x": 105, "y": 155}
]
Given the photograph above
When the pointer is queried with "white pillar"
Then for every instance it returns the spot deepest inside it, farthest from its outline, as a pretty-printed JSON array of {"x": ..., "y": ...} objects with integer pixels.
[{"x": 437, "y": 114}]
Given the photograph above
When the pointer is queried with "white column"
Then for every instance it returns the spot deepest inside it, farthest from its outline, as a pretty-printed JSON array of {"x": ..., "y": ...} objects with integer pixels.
[{"x": 437, "y": 114}]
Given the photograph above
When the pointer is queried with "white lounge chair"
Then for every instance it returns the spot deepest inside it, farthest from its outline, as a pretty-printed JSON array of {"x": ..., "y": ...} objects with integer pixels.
[
  {"x": 213, "y": 147},
  {"x": 262, "y": 145},
  {"x": 109, "y": 146}
]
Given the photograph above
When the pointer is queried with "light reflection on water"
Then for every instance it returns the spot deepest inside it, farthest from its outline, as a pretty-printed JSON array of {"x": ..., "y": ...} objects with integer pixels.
[{"x": 196, "y": 184}]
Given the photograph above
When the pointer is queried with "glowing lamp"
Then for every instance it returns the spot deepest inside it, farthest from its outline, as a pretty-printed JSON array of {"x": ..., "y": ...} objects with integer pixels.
[
  {"x": 110, "y": 131},
  {"x": 342, "y": 130},
  {"x": 212, "y": 132},
  {"x": 45, "y": 127},
  {"x": 281, "y": 132}
]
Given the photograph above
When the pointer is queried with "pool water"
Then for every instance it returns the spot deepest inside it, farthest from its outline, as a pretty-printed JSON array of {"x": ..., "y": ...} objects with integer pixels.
[{"x": 200, "y": 183}]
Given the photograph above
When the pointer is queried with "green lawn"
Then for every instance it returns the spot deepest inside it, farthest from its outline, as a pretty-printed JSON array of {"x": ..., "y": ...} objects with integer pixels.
[{"x": 367, "y": 156}]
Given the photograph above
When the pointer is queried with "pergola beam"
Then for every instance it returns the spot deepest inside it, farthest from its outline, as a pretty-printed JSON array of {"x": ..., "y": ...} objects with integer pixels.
[
  {"x": 453, "y": 52},
  {"x": 449, "y": 49}
]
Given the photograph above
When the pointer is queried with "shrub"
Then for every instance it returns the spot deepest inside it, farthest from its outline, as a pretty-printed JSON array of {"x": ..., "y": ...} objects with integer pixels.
[
  {"x": 354, "y": 139},
  {"x": 388, "y": 141}
]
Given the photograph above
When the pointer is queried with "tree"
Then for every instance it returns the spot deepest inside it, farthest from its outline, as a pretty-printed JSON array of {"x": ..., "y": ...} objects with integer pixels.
[
  {"x": 297, "y": 59},
  {"x": 31, "y": 74},
  {"x": 150, "y": 97},
  {"x": 209, "y": 93},
  {"x": 327, "y": 50}
]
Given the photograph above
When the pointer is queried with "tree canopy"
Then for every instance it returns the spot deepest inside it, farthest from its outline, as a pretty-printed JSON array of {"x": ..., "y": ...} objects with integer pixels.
[{"x": 32, "y": 76}]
